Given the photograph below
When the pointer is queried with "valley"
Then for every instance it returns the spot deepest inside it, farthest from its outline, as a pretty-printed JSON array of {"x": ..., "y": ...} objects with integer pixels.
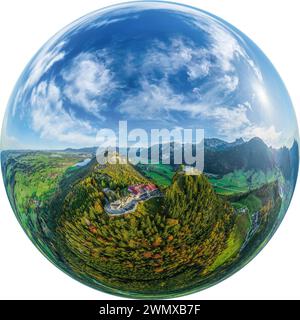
[{"x": 144, "y": 228}]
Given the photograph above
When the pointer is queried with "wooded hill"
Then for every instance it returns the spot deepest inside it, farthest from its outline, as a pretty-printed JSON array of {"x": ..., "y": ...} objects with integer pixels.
[{"x": 169, "y": 240}]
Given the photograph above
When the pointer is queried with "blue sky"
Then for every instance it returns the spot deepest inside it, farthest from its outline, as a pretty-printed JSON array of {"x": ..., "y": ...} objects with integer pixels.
[{"x": 155, "y": 65}]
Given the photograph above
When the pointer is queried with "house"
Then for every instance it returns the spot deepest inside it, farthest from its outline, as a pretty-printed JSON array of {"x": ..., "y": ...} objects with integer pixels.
[
  {"x": 150, "y": 187},
  {"x": 138, "y": 192},
  {"x": 139, "y": 189},
  {"x": 188, "y": 170},
  {"x": 136, "y": 189}
]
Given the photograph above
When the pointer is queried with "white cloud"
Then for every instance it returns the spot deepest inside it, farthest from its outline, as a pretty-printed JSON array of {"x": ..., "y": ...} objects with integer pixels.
[
  {"x": 226, "y": 46},
  {"x": 52, "y": 121},
  {"x": 9, "y": 142},
  {"x": 156, "y": 102},
  {"x": 248, "y": 105},
  {"x": 87, "y": 81},
  {"x": 156, "y": 98},
  {"x": 44, "y": 60},
  {"x": 105, "y": 22},
  {"x": 233, "y": 123},
  {"x": 256, "y": 70},
  {"x": 151, "y": 102},
  {"x": 269, "y": 135},
  {"x": 216, "y": 91},
  {"x": 179, "y": 53},
  {"x": 261, "y": 95},
  {"x": 230, "y": 82},
  {"x": 198, "y": 71}
]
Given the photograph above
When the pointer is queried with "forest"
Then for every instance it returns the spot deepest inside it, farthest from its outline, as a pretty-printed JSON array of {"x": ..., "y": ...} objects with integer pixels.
[
  {"x": 192, "y": 235},
  {"x": 168, "y": 243}
]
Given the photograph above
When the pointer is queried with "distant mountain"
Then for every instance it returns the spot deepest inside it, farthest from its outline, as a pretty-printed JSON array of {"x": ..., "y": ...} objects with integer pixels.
[
  {"x": 288, "y": 161},
  {"x": 83, "y": 150},
  {"x": 214, "y": 143},
  {"x": 221, "y": 157},
  {"x": 251, "y": 155},
  {"x": 218, "y": 144},
  {"x": 294, "y": 158}
]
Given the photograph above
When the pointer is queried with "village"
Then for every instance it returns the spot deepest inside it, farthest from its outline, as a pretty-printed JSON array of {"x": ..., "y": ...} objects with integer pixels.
[{"x": 137, "y": 193}]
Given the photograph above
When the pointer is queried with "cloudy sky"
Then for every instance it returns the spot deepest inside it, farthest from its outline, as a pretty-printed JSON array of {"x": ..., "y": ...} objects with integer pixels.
[{"x": 166, "y": 66}]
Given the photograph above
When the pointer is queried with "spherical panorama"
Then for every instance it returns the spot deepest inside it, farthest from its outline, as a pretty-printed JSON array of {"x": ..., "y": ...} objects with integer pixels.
[{"x": 149, "y": 149}]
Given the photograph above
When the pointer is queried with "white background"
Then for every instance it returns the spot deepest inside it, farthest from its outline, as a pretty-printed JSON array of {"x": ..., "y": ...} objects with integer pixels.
[{"x": 26, "y": 25}]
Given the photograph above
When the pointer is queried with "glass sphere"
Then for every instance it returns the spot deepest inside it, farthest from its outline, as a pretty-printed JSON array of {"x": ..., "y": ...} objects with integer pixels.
[{"x": 150, "y": 149}]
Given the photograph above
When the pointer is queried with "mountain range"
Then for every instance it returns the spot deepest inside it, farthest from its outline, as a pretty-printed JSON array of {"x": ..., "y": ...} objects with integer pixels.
[{"x": 221, "y": 157}]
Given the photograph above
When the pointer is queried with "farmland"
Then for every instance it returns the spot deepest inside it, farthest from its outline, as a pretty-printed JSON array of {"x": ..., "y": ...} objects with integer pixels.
[
  {"x": 240, "y": 181},
  {"x": 32, "y": 179},
  {"x": 176, "y": 241},
  {"x": 161, "y": 174}
]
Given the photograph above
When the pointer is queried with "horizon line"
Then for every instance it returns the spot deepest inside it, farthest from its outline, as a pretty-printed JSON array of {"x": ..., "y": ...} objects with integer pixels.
[{"x": 172, "y": 141}]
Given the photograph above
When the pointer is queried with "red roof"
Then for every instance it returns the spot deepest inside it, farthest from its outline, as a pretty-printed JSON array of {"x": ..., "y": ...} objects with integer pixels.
[
  {"x": 140, "y": 188},
  {"x": 150, "y": 187}
]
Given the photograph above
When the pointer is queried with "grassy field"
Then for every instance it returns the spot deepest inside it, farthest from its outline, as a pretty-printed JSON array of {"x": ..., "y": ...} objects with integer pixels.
[
  {"x": 38, "y": 176},
  {"x": 31, "y": 179},
  {"x": 252, "y": 202},
  {"x": 160, "y": 174},
  {"x": 242, "y": 181}
]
